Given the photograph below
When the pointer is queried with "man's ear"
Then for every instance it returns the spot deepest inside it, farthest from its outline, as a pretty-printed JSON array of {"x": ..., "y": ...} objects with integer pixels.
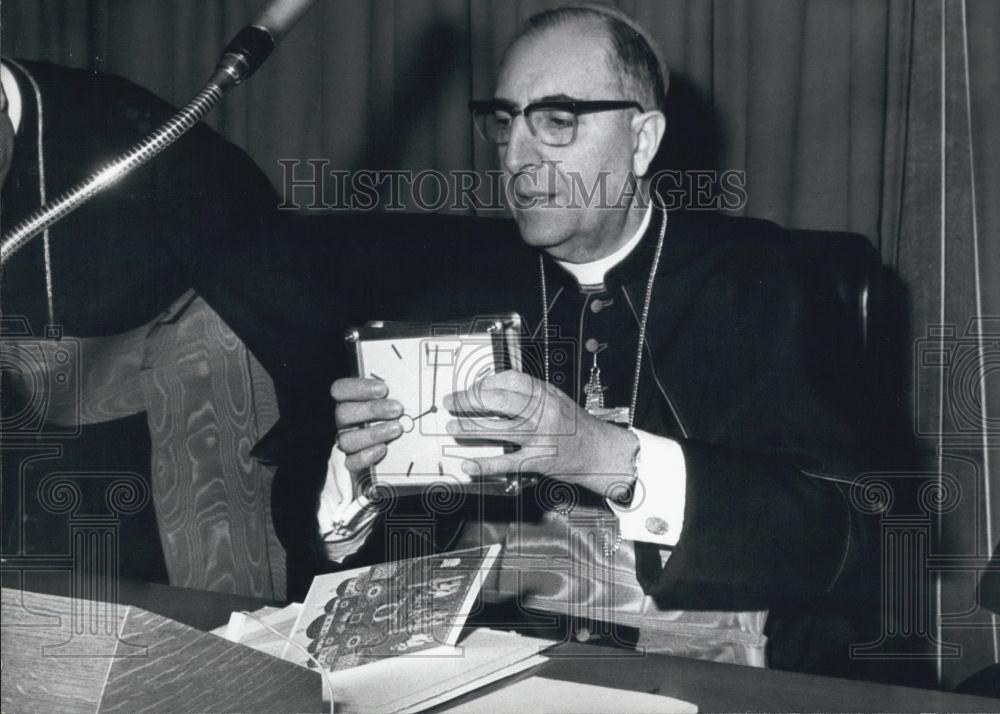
[{"x": 648, "y": 129}]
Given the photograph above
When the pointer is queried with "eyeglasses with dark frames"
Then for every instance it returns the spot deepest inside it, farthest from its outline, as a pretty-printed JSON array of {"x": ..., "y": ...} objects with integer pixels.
[{"x": 554, "y": 122}]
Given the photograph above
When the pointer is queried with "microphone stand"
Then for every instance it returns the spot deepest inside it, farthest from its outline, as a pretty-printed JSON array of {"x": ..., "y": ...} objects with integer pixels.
[
  {"x": 53, "y": 211},
  {"x": 242, "y": 56}
]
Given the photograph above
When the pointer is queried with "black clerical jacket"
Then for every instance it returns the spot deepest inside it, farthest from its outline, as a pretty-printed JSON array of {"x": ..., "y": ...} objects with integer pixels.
[
  {"x": 771, "y": 436},
  {"x": 111, "y": 272},
  {"x": 772, "y": 439},
  {"x": 111, "y": 266}
]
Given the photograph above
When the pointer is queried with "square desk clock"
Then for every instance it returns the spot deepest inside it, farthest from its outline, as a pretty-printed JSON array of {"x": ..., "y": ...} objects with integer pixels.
[{"x": 421, "y": 363}]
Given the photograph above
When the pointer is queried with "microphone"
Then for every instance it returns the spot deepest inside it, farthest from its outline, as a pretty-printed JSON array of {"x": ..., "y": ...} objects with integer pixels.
[{"x": 254, "y": 43}]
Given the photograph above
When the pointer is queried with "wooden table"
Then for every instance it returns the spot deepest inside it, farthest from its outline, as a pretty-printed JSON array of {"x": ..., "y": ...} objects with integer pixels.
[{"x": 712, "y": 686}]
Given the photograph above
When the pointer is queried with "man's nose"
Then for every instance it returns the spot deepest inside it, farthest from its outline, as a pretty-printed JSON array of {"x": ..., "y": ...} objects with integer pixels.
[{"x": 521, "y": 150}]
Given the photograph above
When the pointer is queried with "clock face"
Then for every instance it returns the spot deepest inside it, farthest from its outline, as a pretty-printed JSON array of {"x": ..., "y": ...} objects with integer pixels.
[{"x": 419, "y": 372}]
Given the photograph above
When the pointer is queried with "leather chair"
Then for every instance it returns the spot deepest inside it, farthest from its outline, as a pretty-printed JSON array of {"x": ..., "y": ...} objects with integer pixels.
[{"x": 847, "y": 274}]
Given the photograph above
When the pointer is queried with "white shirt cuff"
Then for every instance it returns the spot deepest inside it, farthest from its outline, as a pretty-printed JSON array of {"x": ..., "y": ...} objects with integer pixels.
[
  {"x": 343, "y": 521},
  {"x": 656, "y": 512}
]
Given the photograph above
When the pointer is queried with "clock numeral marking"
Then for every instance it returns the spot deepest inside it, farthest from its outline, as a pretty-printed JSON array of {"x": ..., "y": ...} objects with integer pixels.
[
  {"x": 396, "y": 351},
  {"x": 376, "y": 376},
  {"x": 409, "y": 469},
  {"x": 440, "y": 469}
]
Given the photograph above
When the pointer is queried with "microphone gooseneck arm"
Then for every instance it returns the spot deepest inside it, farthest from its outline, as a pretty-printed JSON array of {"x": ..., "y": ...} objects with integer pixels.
[
  {"x": 55, "y": 210},
  {"x": 241, "y": 58}
]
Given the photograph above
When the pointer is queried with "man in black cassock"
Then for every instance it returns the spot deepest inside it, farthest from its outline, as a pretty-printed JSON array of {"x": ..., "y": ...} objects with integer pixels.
[
  {"x": 739, "y": 458},
  {"x": 111, "y": 269},
  {"x": 102, "y": 271},
  {"x": 738, "y": 523}
]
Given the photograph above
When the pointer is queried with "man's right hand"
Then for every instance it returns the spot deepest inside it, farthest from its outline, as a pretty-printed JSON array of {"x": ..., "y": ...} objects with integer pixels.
[{"x": 360, "y": 401}]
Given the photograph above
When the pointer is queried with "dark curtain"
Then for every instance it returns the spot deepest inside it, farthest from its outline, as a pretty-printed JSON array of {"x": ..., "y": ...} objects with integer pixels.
[
  {"x": 942, "y": 237},
  {"x": 794, "y": 93},
  {"x": 871, "y": 116}
]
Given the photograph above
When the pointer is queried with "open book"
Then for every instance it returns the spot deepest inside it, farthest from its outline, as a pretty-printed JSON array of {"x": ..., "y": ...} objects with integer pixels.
[
  {"x": 398, "y": 608},
  {"x": 371, "y": 616},
  {"x": 401, "y": 684}
]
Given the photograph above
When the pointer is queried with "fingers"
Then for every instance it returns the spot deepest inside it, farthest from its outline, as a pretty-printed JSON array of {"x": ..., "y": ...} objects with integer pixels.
[
  {"x": 361, "y": 400},
  {"x": 365, "y": 458},
  {"x": 492, "y": 428},
  {"x": 513, "y": 381},
  {"x": 511, "y": 394},
  {"x": 358, "y": 389},
  {"x": 487, "y": 401},
  {"x": 490, "y": 466},
  {"x": 525, "y": 461},
  {"x": 348, "y": 414},
  {"x": 357, "y": 440}
]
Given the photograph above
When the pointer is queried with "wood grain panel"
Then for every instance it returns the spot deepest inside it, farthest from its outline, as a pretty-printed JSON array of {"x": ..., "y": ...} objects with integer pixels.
[
  {"x": 111, "y": 387},
  {"x": 33, "y": 681},
  {"x": 212, "y": 499},
  {"x": 191, "y": 671},
  {"x": 82, "y": 380},
  {"x": 207, "y": 402},
  {"x": 74, "y": 655},
  {"x": 265, "y": 410}
]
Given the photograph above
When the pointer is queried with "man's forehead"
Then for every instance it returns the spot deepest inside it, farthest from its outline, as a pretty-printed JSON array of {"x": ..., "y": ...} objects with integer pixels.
[{"x": 570, "y": 59}]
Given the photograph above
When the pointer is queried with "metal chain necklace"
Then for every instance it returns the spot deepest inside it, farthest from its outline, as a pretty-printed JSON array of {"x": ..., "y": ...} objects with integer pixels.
[
  {"x": 46, "y": 248},
  {"x": 609, "y": 550}
]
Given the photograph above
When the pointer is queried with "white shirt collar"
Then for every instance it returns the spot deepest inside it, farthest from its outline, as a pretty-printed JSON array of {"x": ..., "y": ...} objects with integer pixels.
[
  {"x": 13, "y": 96},
  {"x": 592, "y": 273}
]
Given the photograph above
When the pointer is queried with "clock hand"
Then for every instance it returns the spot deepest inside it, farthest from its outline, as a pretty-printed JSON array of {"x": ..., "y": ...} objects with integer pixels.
[
  {"x": 429, "y": 411},
  {"x": 433, "y": 407},
  {"x": 434, "y": 383}
]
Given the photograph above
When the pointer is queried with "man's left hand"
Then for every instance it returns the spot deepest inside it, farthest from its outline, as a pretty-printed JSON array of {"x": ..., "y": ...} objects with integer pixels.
[{"x": 557, "y": 437}]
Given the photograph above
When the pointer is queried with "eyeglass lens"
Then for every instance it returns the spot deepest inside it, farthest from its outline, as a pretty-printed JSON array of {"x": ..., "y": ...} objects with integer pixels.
[{"x": 555, "y": 127}]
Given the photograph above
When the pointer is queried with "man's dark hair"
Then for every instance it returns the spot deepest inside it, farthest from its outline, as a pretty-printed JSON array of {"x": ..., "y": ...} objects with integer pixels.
[{"x": 644, "y": 75}]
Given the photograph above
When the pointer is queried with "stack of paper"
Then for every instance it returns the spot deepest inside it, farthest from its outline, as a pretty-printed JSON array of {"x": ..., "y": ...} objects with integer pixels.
[
  {"x": 414, "y": 683},
  {"x": 409, "y": 683},
  {"x": 386, "y": 636},
  {"x": 253, "y": 630}
]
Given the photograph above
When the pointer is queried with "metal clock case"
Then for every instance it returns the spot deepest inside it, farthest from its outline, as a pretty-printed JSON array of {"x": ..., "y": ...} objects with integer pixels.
[{"x": 421, "y": 363}]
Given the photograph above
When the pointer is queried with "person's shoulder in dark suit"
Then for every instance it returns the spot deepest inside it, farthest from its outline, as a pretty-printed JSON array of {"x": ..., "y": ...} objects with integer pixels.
[{"x": 113, "y": 260}]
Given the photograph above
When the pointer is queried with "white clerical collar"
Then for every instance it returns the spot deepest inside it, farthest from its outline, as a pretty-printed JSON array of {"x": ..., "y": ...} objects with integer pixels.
[
  {"x": 592, "y": 274},
  {"x": 13, "y": 96}
]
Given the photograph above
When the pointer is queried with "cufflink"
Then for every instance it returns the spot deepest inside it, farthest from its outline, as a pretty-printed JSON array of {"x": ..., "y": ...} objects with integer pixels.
[
  {"x": 656, "y": 526},
  {"x": 338, "y": 530}
]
